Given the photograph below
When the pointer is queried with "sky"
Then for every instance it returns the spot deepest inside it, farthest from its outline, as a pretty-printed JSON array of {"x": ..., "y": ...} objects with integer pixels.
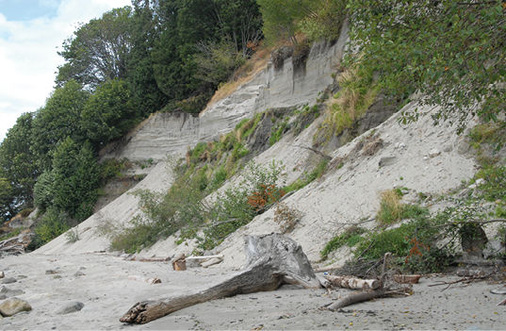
[{"x": 31, "y": 34}]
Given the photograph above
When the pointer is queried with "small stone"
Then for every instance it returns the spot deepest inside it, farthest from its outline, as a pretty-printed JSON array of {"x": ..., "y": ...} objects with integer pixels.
[
  {"x": 2, "y": 275},
  {"x": 387, "y": 160},
  {"x": 434, "y": 152},
  {"x": 79, "y": 273},
  {"x": 400, "y": 145},
  {"x": 9, "y": 280},
  {"x": 7, "y": 293},
  {"x": 51, "y": 272},
  {"x": 13, "y": 306},
  {"x": 70, "y": 307}
]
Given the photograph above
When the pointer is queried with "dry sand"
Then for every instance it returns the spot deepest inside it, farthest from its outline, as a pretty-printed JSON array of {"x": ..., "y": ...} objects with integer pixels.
[{"x": 109, "y": 285}]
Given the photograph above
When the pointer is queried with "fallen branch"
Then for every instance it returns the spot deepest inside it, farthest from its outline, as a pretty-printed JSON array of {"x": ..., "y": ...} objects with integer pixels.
[
  {"x": 365, "y": 296},
  {"x": 464, "y": 280},
  {"x": 272, "y": 260}
]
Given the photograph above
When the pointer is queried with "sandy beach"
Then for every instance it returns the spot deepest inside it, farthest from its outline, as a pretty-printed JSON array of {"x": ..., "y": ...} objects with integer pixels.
[{"x": 109, "y": 285}]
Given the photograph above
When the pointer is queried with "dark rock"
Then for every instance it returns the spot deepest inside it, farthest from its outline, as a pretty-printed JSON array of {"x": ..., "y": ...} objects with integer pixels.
[
  {"x": 70, "y": 307},
  {"x": 8, "y": 280},
  {"x": 7, "y": 293},
  {"x": 387, "y": 160}
]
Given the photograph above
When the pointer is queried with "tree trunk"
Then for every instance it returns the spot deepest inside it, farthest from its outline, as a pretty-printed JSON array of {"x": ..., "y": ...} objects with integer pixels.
[{"x": 272, "y": 260}]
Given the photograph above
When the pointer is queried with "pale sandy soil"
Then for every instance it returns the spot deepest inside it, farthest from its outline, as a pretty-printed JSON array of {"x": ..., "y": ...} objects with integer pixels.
[{"x": 110, "y": 285}]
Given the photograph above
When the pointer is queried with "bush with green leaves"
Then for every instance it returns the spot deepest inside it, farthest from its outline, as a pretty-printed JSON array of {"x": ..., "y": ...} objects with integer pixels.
[
  {"x": 392, "y": 210},
  {"x": 52, "y": 224},
  {"x": 413, "y": 244},
  {"x": 350, "y": 237},
  {"x": 185, "y": 208}
]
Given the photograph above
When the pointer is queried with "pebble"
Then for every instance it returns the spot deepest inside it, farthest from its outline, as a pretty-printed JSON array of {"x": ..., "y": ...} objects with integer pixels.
[{"x": 434, "y": 152}]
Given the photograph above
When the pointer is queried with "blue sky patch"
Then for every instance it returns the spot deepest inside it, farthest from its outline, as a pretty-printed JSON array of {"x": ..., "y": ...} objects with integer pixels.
[{"x": 25, "y": 10}]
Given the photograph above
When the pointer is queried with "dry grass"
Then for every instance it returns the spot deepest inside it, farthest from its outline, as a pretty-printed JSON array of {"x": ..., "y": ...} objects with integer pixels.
[
  {"x": 350, "y": 103},
  {"x": 391, "y": 207},
  {"x": 244, "y": 74}
]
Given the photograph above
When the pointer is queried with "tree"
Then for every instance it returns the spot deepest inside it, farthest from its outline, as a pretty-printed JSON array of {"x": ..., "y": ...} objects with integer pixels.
[
  {"x": 145, "y": 94},
  {"x": 240, "y": 21},
  {"x": 281, "y": 17},
  {"x": 18, "y": 166},
  {"x": 452, "y": 52},
  {"x": 76, "y": 179},
  {"x": 99, "y": 50},
  {"x": 217, "y": 61},
  {"x": 6, "y": 195},
  {"x": 324, "y": 20},
  {"x": 43, "y": 191},
  {"x": 59, "y": 119},
  {"x": 108, "y": 113}
]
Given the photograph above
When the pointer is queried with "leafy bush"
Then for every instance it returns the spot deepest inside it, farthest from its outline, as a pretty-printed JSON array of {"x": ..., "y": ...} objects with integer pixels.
[
  {"x": 350, "y": 237},
  {"x": 278, "y": 131},
  {"x": 184, "y": 208},
  {"x": 52, "y": 224},
  {"x": 494, "y": 187},
  {"x": 392, "y": 210}
]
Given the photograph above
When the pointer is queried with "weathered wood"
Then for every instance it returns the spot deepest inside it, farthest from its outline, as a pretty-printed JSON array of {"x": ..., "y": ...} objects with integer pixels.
[
  {"x": 272, "y": 260},
  {"x": 179, "y": 262},
  {"x": 356, "y": 298},
  {"x": 204, "y": 257},
  {"x": 353, "y": 282}
]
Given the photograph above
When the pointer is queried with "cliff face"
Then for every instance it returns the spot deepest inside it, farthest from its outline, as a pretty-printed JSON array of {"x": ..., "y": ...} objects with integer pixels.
[
  {"x": 165, "y": 134},
  {"x": 289, "y": 85},
  {"x": 419, "y": 157}
]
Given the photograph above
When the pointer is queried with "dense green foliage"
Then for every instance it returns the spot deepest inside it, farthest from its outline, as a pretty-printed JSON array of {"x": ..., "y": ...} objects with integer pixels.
[
  {"x": 316, "y": 19},
  {"x": 118, "y": 69},
  {"x": 452, "y": 52},
  {"x": 18, "y": 168}
]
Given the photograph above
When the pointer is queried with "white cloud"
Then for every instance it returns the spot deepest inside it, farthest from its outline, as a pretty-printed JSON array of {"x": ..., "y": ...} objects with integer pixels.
[{"x": 28, "y": 55}]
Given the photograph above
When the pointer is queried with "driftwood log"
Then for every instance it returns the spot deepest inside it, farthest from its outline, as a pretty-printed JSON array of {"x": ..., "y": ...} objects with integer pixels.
[
  {"x": 272, "y": 261},
  {"x": 372, "y": 289},
  {"x": 353, "y": 283}
]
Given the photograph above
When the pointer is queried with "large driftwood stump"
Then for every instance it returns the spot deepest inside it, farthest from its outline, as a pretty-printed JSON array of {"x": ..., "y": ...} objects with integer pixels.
[{"x": 272, "y": 260}]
